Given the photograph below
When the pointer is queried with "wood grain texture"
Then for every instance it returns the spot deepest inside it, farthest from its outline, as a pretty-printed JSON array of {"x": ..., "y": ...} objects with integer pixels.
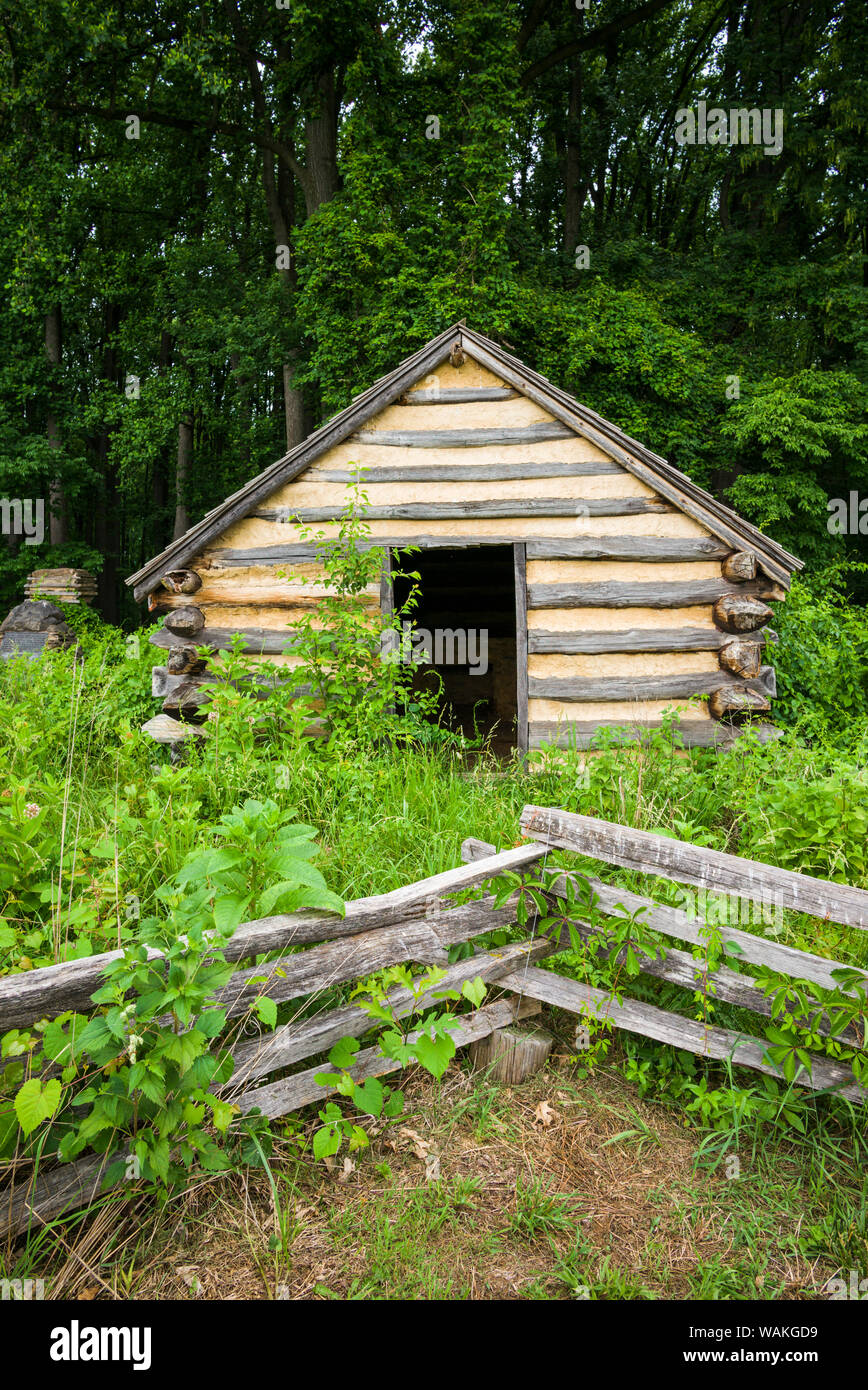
[
  {"x": 258, "y": 544},
  {"x": 678, "y": 594},
  {"x": 306, "y": 1037},
  {"x": 443, "y": 416},
  {"x": 723, "y": 985},
  {"x": 353, "y": 455},
  {"x": 387, "y": 593},
  {"x": 184, "y": 621},
  {"x": 693, "y": 733},
  {"x": 672, "y": 639},
  {"x": 334, "y": 431},
  {"x": 181, "y": 582},
  {"x": 618, "y": 711},
  {"x": 76, "y": 1185},
  {"x": 742, "y": 656},
  {"x": 621, "y": 665},
  {"x": 680, "y": 968},
  {"x": 651, "y": 549},
  {"x": 264, "y": 609},
  {"x": 490, "y": 510},
  {"x": 470, "y": 472},
  {"x": 164, "y": 729},
  {"x": 651, "y": 1022},
  {"x": 467, "y": 439},
  {"x": 635, "y": 687},
  {"x": 29, "y": 1205},
  {"x": 50, "y": 990},
  {"x": 281, "y": 1097},
  {"x": 728, "y": 701},
  {"x": 458, "y": 395},
  {"x": 611, "y": 442},
  {"x": 272, "y": 555},
  {"x": 424, "y": 940},
  {"x": 648, "y": 467},
  {"x": 695, "y": 864},
  {"x": 615, "y": 900},
  {"x": 740, "y": 566},
  {"x": 262, "y": 641},
  {"x": 473, "y": 849},
  {"x": 184, "y": 661},
  {"x": 739, "y": 612},
  {"x": 512, "y": 1054},
  {"x": 622, "y": 572}
]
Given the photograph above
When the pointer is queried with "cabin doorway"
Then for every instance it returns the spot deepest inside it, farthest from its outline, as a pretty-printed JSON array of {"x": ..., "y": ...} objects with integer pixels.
[{"x": 465, "y": 624}]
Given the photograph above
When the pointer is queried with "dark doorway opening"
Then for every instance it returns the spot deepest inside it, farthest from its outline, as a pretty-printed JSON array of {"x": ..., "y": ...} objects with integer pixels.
[{"x": 465, "y": 622}]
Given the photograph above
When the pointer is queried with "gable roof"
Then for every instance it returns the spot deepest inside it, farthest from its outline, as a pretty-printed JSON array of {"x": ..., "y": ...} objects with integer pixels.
[{"x": 650, "y": 468}]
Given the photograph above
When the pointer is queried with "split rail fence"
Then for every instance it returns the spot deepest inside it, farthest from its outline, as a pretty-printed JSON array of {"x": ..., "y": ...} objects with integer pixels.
[{"x": 418, "y": 924}]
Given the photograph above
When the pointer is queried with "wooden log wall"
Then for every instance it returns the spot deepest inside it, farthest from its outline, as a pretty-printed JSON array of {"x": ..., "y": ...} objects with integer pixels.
[{"x": 630, "y": 606}]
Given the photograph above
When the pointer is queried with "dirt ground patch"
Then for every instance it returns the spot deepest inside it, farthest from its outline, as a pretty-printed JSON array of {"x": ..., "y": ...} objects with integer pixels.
[{"x": 561, "y": 1188}]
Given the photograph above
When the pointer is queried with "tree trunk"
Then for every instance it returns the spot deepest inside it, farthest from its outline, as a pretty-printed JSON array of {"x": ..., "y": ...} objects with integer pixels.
[
  {"x": 182, "y": 474},
  {"x": 57, "y": 525},
  {"x": 321, "y": 146},
  {"x": 106, "y": 528},
  {"x": 277, "y": 185},
  {"x": 575, "y": 188},
  {"x": 243, "y": 406},
  {"x": 293, "y": 405},
  {"x": 278, "y": 198}
]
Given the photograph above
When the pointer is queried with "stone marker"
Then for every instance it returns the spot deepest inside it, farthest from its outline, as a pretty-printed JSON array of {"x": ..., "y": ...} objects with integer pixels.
[{"x": 32, "y": 627}]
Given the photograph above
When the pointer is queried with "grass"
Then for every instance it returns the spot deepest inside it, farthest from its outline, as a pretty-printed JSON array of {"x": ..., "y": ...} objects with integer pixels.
[
  {"x": 625, "y": 1195},
  {"x": 531, "y": 1212}
]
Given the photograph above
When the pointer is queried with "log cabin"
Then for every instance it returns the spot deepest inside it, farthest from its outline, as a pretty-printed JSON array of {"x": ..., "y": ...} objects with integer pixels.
[{"x": 611, "y": 588}]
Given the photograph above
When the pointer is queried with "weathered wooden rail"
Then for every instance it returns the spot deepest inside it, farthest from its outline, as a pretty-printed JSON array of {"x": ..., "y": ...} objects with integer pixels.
[
  {"x": 414, "y": 924},
  {"x": 45, "y": 993},
  {"x": 680, "y": 862},
  {"x": 418, "y": 923}
]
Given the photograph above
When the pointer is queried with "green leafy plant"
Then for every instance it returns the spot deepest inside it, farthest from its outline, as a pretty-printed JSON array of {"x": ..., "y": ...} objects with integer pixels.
[
  {"x": 147, "y": 1066},
  {"x": 261, "y": 865},
  {"x": 429, "y": 1043},
  {"x": 347, "y": 648}
]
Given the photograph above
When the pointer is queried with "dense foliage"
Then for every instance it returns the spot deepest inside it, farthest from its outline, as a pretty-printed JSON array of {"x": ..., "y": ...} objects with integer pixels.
[
  {"x": 109, "y": 846},
  {"x": 221, "y": 222}
]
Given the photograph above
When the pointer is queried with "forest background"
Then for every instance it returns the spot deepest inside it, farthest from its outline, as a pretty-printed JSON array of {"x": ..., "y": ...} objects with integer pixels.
[{"x": 220, "y": 222}]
